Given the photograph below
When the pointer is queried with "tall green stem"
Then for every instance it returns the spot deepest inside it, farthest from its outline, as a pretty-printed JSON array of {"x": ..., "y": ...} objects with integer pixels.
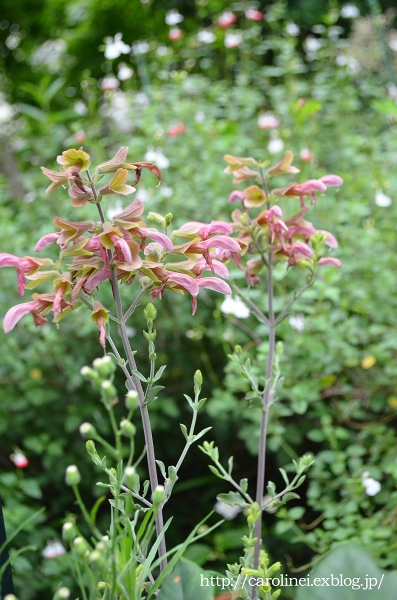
[{"x": 147, "y": 430}]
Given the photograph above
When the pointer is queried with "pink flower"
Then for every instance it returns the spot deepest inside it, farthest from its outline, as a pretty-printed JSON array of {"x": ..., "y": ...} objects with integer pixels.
[
  {"x": 46, "y": 240},
  {"x": 235, "y": 196},
  {"x": 215, "y": 284},
  {"x": 331, "y": 261},
  {"x": 161, "y": 238},
  {"x": 331, "y": 180},
  {"x": 19, "y": 459},
  {"x": 214, "y": 227},
  {"x": 53, "y": 549},
  {"x": 175, "y": 34},
  {"x": 176, "y": 130},
  {"x": 80, "y": 136},
  {"x": 216, "y": 267},
  {"x": 253, "y": 14},
  {"x": 268, "y": 121},
  {"x": 24, "y": 265},
  {"x": 305, "y": 154},
  {"x": 227, "y": 19}
]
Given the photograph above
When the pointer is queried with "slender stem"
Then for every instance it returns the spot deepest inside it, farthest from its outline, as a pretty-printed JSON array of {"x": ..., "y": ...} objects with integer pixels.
[
  {"x": 136, "y": 301},
  {"x": 147, "y": 430},
  {"x": 83, "y": 509},
  {"x": 296, "y": 296},
  {"x": 266, "y": 401},
  {"x": 137, "y": 496}
]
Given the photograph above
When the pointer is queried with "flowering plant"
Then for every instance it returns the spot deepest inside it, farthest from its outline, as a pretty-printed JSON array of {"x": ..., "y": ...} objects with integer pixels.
[{"x": 118, "y": 252}]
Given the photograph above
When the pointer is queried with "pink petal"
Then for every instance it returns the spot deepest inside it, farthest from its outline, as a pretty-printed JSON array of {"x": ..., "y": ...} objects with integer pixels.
[
  {"x": 219, "y": 268},
  {"x": 329, "y": 260},
  {"x": 331, "y": 180},
  {"x": 301, "y": 248},
  {"x": 275, "y": 211},
  {"x": 161, "y": 238},
  {"x": 125, "y": 249},
  {"x": 311, "y": 186},
  {"x": 16, "y": 313},
  {"x": 213, "y": 283},
  {"x": 331, "y": 240},
  {"x": 93, "y": 281},
  {"x": 221, "y": 242},
  {"x": 9, "y": 260},
  {"x": 46, "y": 240},
  {"x": 235, "y": 196},
  {"x": 215, "y": 227},
  {"x": 184, "y": 281}
]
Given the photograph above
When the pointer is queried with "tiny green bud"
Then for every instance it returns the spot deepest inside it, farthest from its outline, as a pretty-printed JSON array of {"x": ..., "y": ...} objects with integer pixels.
[
  {"x": 108, "y": 390},
  {"x": 279, "y": 348},
  {"x": 127, "y": 428},
  {"x": 72, "y": 476},
  {"x": 168, "y": 219},
  {"x": 80, "y": 545},
  {"x": 112, "y": 475},
  {"x": 156, "y": 218},
  {"x": 91, "y": 449},
  {"x": 89, "y": 373},
  {"x": 96, "y": 557},
  {"x": 198, "y": 380},
  {"x": 131, "y": 400},
  {"x": 62, "y": 594},
  {"x": 87, "y": 430},
  {"x": 158, "y": 495},
  {"x": 150, "y": 312},
  {"x": 131, "y": 478},
  {"x": 10, "y": 597},
  {"x": 104, "y": 366},
  {"x": 69, "y": 531}
]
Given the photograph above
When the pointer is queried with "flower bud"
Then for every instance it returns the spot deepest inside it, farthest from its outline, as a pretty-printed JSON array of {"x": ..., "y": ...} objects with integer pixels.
[
  {"x": 80, "y": 545},
  {"x": 62, "y": 594},
  {"x": 112, "y": 475},
  {"x": 104, "y": 366},
  {"x": 131, "y": 400},
  {"x": 198, "y": 380},
  {"x": 89, "y": 373},
  {"x": 91, "y": 449},
  {"x": 131, "y": 478},
  {"x": 127, "y": 428},
  {"x": 87, "y": 430},
  {"x": 158, "y": 495},
  {"x": 150, "y": 312},
  {"x": 168, "y": 219},
  {"x": 108, "y": 391},
  {"x": 73, "y": 476},
  {"x": 156, "y": 218},
  {"x": 69, "y": 531},
  {"x": 96, "y": 557},
  {"x": 10, "y": 597}
]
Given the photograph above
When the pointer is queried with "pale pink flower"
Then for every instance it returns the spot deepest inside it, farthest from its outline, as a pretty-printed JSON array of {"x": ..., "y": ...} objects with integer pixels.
[
  {"x": 24, "y": 265},
  {"x": 227, "y": 19},
  {"x": 175, "y": 34},
  {"x": 176, "y": 130},
  {"x": 233, "y": 39},
  {"x": 305, "y": 154},
  {"x": 235, "y": 196},
  {"x": 19, "y": 459},
  {"x": 268, "y": 121},
  {"x": 331, "y": 261},
  {"x": 253, "y": 14},
  {"x": 53, "y": 549}
]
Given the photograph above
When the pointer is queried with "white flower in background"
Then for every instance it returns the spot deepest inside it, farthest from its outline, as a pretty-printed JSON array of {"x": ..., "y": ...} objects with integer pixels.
[
  {"x": 268, "y": 121},
  {"x": 372, "y": 487},
  {"x": 312, "y": 44},
  {"x": 226, "y": 511},
  {"x": 236, "y": 307},
  {"x": 6, "y": 110},
  {"x": 161, "y": 50},
  {"x": 293, "y": 29},
  {"x": 349, "y": 11},
  {"x": 157, "y": 156},
  {"x": 297, "y": 322},
  {"x": 166, "y": 192},
  {"x": 393, "y": 44},
  {"x": 125, "y": 72},
  {"x": 275, "y": 145},
  {"x": 80, "y": 108},
  {"x": 200, "y": 116},
  {"x": 115, "y": 46},
  {"x": 141, "y": 100},
  {"x": 140, "y": 47},
  {"x": 233, "y": 39},
  {"x": 53, "y": 549},
  {"x": 144, "y": 194},
  {"x": 206, "y": 37},
  {"x": 341, "y": 60},
  {"x": 305, "y": 154},
  {"x": 382, "y": 200},
  {"x": 50, "y": 53},
  {"x": 173, "y": 17},
  {"x": 109, "y": 83},
  {"x": 353, "y": 66}
]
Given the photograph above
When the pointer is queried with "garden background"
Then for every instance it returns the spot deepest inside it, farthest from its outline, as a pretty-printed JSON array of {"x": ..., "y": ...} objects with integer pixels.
[{"x": 183, "y": 93}]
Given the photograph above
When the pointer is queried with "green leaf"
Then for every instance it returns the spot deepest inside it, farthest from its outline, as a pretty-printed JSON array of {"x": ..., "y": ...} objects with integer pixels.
[
  {"x": 151, "y": 397},
  {"x": 200, "y": 435},
  {"x": 190, "y": 401},
  {"x": 139, "y": 375},
  {"x": 184, "y": 430},
  {"x": 355, "y": 563},
  {"x": 159, "y": 373},
  {"x": 162, "y": 468},
  {"x": 232, "y": 499},
  {"x": 215, "y": 471},
  {"x": 185, "y": 583},
  {"x": 244, "y": 484},
  {"x": 32, "y": 111},
  {"x": 230, "y": 465},
  {"x": 285, "y": 476}
]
